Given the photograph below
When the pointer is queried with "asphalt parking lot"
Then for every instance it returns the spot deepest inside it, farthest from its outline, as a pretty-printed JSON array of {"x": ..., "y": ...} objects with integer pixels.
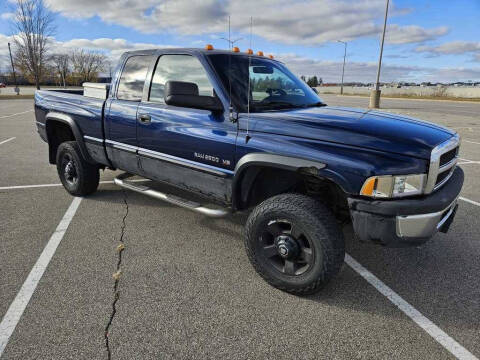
[{"x": 187, "y": 289}]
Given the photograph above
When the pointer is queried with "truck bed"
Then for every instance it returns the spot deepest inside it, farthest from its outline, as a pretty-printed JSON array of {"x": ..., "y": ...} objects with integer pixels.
[{"x": 87, "y": 112}]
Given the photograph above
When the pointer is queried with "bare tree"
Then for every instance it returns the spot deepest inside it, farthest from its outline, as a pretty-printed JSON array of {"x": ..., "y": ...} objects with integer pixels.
[
  {"x": 87, "y": 64},
  {"x": 34, "y": 25},
  {"x": 61, "y": 63}
]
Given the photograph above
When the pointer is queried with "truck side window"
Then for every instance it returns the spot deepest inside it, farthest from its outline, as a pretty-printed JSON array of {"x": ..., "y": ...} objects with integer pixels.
[
  {"x": 133, "y": 77},
  {"x": 179, "y": 68}
]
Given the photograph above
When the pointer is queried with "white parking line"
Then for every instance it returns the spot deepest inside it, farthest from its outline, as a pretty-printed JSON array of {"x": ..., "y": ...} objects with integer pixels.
[
  {"x": 469, "y": 161},
  {"x": 27, "y": 186},
  {"x": 469, "y": 201},
  {"x": 466, "y": 161},
  {"x": 471, "y": 142},
  {"x": 433, "y": 330},
  {"x": 5, "y": 141},
  {"x": 53, "y": 185},
  {"x": 20, "y": 113},
  {"x": 17, "y": 307}
]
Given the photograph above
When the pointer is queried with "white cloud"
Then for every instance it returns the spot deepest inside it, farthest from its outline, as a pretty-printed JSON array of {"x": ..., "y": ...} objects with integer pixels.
[
  {"x": 453, "y": 47},
  {"x": 413, "y": 34},
  {"x": 7, "y": 16},
  {"x": 113, "y": 48},
  {"x": 308, "y": 22},
  {"x": 330, "y": 71}
]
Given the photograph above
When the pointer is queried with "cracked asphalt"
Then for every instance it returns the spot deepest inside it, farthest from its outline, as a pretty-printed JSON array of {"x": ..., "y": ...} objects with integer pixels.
[{"x": 186, "y": 289}]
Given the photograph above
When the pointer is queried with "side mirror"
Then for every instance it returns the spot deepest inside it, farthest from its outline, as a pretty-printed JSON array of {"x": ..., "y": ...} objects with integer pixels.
[{"x": 185, "y": 94}]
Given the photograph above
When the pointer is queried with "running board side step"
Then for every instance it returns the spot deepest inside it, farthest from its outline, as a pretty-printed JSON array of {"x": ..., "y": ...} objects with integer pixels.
[{"x": 122, "y": 180}]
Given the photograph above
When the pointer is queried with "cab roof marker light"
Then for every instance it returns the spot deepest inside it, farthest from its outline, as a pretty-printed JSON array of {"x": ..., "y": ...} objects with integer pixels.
[
  {"x": 236, "y": 49},
  {"x": 260, "y": 53},
  {"x": 249, "y": 52},
  {"x": 209, "y": 47},
  {"x": 270, "y": 56}
]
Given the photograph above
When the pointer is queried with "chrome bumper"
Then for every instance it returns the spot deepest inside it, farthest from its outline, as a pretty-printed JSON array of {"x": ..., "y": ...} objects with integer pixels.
[{"x": 423, "y": 225}]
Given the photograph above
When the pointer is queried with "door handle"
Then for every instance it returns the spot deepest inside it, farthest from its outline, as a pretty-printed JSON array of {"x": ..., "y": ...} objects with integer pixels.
[{"x": 144, "y": 118}]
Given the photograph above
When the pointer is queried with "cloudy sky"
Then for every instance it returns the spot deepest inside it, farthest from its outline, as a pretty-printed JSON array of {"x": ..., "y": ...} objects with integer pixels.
[{"x": 427, "y": 40}]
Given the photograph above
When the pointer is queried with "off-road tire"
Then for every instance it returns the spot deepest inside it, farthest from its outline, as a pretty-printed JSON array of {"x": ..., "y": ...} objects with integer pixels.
[
  {"x": 317, "y": 222},
  {"x": 87, "y": 175}
]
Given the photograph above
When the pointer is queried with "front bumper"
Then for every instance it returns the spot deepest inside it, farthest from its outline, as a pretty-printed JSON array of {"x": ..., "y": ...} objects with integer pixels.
[{"x": 406, "y": 222}]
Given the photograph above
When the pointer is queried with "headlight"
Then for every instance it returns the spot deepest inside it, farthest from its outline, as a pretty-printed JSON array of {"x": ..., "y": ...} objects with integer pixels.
[{"x": 393, "y": 186}]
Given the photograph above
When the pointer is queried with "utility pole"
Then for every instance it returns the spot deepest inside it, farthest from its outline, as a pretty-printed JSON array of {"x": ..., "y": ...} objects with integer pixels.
[
  {"x": 343, "y": 69},
  {"x": 17, "y": 90},
  {"x": 375, "y": 94}
]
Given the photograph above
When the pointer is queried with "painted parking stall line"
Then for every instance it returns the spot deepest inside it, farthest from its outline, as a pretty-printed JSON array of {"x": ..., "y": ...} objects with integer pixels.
[
  {"x": 20, "y": 113},
  {"x": 469, "y": 201},
  {"x": 428, "y": 326},
  {"x": 5, "y": 141},
  {"x": 17, "y": 307},
  {"x": 14, "y": 187}
]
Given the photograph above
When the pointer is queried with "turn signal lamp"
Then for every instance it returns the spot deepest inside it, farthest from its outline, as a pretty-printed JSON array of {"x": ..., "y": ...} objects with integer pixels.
[
  {"x": 235, "y": 49},
  {"x": 270, "y": 56},
  {"x": 209, "y": 47},
  {"x": 369, "y": 187},
  {"x": 260, "y": 53},
  {"x": 250, "y": 52}
]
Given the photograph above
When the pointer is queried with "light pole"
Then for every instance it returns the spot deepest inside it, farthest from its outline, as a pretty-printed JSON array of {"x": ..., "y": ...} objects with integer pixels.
[
  {"x": 343, "y": 69},
  {"x": 375, "y": 94},
  {"x": 13, "y": 69}
]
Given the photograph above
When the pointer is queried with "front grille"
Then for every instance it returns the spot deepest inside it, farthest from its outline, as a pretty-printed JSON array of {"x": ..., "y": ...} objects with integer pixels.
[
  {"x": 448, "y": 156},
  {"x": 442, "y": 163},
  {"x": 442, "y": 176}
]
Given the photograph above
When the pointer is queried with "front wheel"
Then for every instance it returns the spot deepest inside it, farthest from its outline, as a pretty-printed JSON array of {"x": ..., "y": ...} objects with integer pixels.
[
  {"x": 294, "y": 243},
  {"x": 78, "y": 177}
]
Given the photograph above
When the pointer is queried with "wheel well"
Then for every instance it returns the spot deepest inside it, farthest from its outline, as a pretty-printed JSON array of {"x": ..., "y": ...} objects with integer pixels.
[
  {"x": 57, "y": 133},
  {"x": 260, "y": 183}
]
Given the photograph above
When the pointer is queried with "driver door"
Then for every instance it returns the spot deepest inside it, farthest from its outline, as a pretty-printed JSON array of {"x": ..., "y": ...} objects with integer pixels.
[{"x": 193, "y": 148}]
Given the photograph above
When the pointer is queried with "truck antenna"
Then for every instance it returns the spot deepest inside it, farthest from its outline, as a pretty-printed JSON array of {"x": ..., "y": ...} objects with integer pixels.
[
  {"x": 230, "y": 47},
  {"x": 247, "y": 137}
]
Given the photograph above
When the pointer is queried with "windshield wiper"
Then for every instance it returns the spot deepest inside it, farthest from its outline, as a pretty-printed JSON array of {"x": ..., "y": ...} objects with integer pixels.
[
  {"x": 277, "y": 105},
  {"x": 317, "y": 104}
]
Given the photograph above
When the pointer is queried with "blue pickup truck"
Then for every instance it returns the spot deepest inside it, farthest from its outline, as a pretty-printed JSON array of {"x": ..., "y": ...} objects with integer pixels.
[{"x": 245, "y": 133}]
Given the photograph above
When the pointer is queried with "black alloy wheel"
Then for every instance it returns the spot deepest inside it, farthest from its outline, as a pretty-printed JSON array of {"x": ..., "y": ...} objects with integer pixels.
[
  {"x": 287, "y": 248},
  {"x": 294, "y": 242}
]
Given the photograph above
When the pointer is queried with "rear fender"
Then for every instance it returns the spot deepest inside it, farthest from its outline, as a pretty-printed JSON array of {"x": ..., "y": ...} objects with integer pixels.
[{"x": 52, "y": 117}]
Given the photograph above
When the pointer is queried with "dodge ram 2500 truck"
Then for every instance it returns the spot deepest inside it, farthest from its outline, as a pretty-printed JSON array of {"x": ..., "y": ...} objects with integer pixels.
[{"x": 244, "y": 132}]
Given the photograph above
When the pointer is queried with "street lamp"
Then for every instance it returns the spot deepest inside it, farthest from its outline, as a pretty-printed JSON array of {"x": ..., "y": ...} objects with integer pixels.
[
  {"x": 375, "y": 94},
  {"x": 17, "y": 90},
  {"x": 343, "y": 69}
]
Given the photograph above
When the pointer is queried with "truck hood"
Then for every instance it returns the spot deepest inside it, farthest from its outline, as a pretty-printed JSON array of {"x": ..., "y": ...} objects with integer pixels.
[{"x": 375, "y": 130}]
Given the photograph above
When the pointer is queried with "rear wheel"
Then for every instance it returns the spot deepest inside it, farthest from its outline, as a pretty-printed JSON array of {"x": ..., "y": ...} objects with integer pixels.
[
  {"x": 78, "y": 177},
  {"x": 294, "y": 243}
]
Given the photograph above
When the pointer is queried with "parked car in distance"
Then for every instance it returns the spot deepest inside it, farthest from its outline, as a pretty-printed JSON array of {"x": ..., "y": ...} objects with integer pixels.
[
  {"x": 3, "y": 85},
  {"x": 245, "y": 133}
]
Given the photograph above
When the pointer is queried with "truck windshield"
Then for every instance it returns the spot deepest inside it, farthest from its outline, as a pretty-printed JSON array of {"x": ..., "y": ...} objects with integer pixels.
[{"x": 272, "y": 85}]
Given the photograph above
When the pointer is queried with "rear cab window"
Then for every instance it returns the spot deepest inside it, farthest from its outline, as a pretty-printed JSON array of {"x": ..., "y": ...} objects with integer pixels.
[
  {"x": 132, "y": 80},
  {"x": 178, "y": 68}
]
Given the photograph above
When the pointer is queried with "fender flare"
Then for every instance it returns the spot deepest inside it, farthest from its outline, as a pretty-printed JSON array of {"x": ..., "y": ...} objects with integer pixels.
[
  {"x": 77, "y": 133},
  {"x": 268, "y": 160}
]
